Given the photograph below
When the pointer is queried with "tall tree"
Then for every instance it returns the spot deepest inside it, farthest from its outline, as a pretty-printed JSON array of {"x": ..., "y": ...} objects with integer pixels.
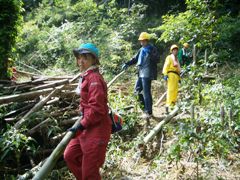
[{"x": 10, "y": 20}]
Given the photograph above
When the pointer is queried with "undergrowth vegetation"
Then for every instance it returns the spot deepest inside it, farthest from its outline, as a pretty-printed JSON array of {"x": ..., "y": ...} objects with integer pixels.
[{"x": 51, "y": 31}]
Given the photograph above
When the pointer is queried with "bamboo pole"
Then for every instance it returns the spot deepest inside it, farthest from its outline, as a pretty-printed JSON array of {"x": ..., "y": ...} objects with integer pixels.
[
  {"x": 230, "y": 117},
  {"x": 114, "y": 79},
  {"x": 29, "y": 174},
  {"x": 194, "y": 55},
  {"x": 160, "y": 99},
  {"x": 205, "y": 61},
  {"x": 35, "y": 128},
  {"x": 222, "y": 113},
  {"x": 192, "y": 112},
  {"x": 159, "y": 126},
  {"x": 23, "y": 96},
  {"x": 53, "y": 84},
  {"x": 24, "y": 73},
  {"x": 14, "y": 112},
  {"x": 55, "y": 155},
  {"x": 30, "y": 67},
  {"x": 37, "y": 107}
]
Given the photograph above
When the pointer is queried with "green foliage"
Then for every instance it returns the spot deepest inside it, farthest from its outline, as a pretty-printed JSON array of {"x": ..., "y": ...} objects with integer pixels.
[
  {"x": 196, "y": 25},
  {"x": 208, "y": 135},
  {"x": 10, "y": 20},
  {"x": 51, "y": 32},
  {"x": 205, "y": 24},
  {"x": 12, "y": 144},
  {"x": 227, "y": 48}
]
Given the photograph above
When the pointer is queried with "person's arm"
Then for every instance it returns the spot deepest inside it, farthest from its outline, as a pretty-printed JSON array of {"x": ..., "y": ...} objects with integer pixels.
[
  {"x": 166, "y": 66},
  {"x": 134, "y": 60},
  {"x": 96, "y": 101}
]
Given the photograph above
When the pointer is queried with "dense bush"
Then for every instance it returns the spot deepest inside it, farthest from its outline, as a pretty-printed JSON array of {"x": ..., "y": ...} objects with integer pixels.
[
  {"x": 10, "y": 20},
  {"x": 51, "y": 32}
]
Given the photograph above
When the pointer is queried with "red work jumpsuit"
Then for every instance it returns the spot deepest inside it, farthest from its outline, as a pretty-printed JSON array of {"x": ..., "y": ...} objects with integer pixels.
[{"x": 85, "y": 153}]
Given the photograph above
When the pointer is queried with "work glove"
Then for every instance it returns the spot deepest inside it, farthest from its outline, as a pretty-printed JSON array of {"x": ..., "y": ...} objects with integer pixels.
[
  {"x": 165, "y": 78},
  {"x": 124, "y": 67},
  {"x": 75, "y": 129}
]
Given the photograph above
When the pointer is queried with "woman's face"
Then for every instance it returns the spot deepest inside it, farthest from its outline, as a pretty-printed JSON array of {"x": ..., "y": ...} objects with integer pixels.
[
  {"x": 175, "y": 51},
  {"x": 83, "y": 63}
]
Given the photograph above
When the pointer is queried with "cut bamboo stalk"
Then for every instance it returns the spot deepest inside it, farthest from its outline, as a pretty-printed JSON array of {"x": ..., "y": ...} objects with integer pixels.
[
  {"x": 14, "y": 112},
  {"x": 37, "y": 107},
  {"x": 35, "y": 128},
  {"x": 55, "y": 155},
  {"x": 53, "y": 101},
  {"x": 30, "y": 67},
  {"x": 23, "y": 96},
  {"x": 114, "y": 79},
  {"x": 194, "y": 55},
  {"x": 230, "y": 114},
  {"x": 57, "y": 138},
  {"x": 222, "y": 113},
  {"x": 160, "y": 99},
  {"x": 24, "y": 73},
  {"x": 7, "y": 82},
  {"x": 54, "y": 84},
  {"x": 69, "y": 121},
  {"x": 29, "y": 174},
  {"x": 159, "y": 126},
  {"x": 53, "y": 78},
  {"x": 192, "y": 112}
]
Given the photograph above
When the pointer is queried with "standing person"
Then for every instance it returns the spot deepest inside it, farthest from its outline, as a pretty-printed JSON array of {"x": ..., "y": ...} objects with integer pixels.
[
  {"x": 184, "y": 56},
  {"x": 85, "y": 153},
  {"x": 171, "y": 72},
  {"x": 146, "y": 60}
]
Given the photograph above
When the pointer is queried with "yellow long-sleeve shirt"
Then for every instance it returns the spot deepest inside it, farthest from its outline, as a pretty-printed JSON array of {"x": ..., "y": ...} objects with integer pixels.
[{"x": 168, "y": 66}]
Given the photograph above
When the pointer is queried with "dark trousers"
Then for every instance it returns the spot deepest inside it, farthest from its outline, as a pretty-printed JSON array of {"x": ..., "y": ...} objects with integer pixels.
[{"x": 143, "y": 89}]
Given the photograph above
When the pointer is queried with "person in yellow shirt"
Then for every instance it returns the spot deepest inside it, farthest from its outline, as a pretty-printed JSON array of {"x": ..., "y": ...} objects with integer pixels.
[{"x": 171, "y": 72}]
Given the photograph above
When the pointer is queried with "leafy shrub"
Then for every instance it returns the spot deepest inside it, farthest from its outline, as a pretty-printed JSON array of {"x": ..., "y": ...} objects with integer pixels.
[
  {"x": 50, "y": 33},
  {"x": 12, "y": 144}
]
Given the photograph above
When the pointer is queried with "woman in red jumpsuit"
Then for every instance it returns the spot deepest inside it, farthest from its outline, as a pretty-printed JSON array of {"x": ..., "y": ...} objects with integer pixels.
[{"x": 85, "y": 153}]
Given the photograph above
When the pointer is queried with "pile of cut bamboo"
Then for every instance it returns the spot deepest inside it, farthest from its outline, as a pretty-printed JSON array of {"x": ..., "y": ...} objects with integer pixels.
[{"x": 43, "y": 108}]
